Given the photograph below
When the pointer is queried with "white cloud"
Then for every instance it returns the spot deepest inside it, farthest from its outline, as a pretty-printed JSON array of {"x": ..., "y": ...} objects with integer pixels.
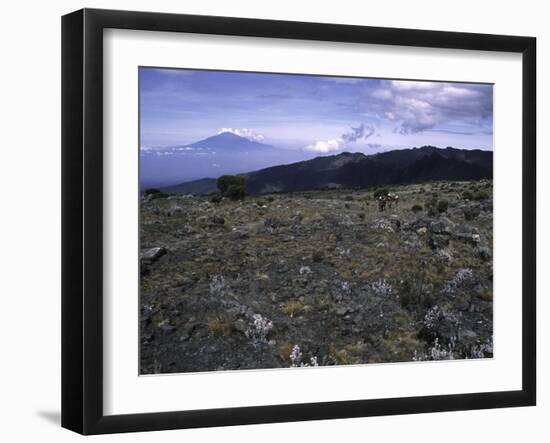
[
  {"x": 416, "y": 106},
  {"x": 382, "y": 94},
  {"x": 324, "y": 146},
  {"x": 244, "y": 132},
  {"x": 349, "y": 80}
]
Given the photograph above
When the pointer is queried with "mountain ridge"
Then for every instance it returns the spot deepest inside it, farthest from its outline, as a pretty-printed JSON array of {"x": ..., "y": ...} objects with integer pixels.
[{"x": 357, "y": 170}]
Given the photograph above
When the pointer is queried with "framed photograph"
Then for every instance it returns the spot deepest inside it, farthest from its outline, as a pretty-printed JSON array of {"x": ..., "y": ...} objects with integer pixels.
[{"x": 269, "y": 221}]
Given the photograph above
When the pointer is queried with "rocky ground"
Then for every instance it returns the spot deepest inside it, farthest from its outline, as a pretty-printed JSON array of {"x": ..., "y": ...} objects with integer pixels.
[{"x": 316, "y": 278}]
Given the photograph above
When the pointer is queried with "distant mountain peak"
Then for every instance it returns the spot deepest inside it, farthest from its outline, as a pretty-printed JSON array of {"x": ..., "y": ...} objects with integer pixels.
[{"x": 228, "y": 140}]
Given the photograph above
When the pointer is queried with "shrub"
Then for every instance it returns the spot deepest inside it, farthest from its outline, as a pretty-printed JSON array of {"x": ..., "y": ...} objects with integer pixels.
[
  {"x": 159, "y": 194},
  {"x": 292, "y": 309},
  {"x": 216, "y": 198},
  {"x": 219, "y": 327},
  {"x": 405, "y": 300},
  {"x": 442, "y": 205},
  {"x": 467, "y": 195},
  {"x": 470, "y": 213},
  {"x": 296, "y": 359},
  {"x": 151, "y": 191},
  {"x": 236, "y": 192},
  {"x": 270, "y": 199},
  {"x": 348, "y": 198},
  {"x": 258, "y": 329},
  {"x": 432, "y": 212},
  {"x": 232, "y": 185},
  {"x": 317, "y": 257},
  {"x": 482, "y": 195},
  {"x": 431, "y": 207},
  {"x": 416, "y": 208}
]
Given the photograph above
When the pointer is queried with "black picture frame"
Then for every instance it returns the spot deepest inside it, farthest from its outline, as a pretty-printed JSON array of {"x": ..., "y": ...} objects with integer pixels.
[{"x": 82, "y": 215}]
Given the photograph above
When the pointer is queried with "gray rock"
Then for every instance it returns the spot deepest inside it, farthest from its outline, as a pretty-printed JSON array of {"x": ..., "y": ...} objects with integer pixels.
[
  {"x": 443, "y": 226},
  {"x": 150, "y": 255},
  {"x": 484, "y": 253},
  {"x": 217, "y": 220}
]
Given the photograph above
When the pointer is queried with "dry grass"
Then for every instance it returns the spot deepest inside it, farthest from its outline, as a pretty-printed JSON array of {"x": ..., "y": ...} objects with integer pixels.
[
  {"x": 218, "y": 327},
  {"x": 293, "y": 309}
]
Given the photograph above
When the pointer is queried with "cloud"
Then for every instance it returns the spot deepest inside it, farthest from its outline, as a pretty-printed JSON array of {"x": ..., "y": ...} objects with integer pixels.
[
  {"x": 324, "y": 146},
  {"x": 244, "y": 132},
  {"x": 360, "y": 132},
  {"x": 175, "y": 72},
  {"x": 416, "y": 106},
  {"x": 374, "y": 145},
  {"x": 357, "y": 133},
  {"x": 275, "y": 96},
  {"x": 349, "y": 80}
]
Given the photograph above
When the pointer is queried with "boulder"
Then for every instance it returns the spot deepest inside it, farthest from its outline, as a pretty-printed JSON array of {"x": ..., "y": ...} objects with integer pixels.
[
  {"x": 150, "y": 255},
  {"x": 443, "y": 226}
]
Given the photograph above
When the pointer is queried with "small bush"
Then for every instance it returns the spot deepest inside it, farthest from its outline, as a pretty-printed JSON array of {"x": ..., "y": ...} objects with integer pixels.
[
  {"x": 156, "y": 195},
  {"x": 470, "y": 213},
  {"x": 270, "y": 199},
  {"x": 432, "y": 211},
  {"x": 292, "y": 309},
  {"x": 236, "y": 192},
  {"x": 467, "y": 195},
  {"x": 428, "y": 300},
  {"x": 151, "y": 191},
  {"x": 482, "y": 195},
  {"x": 442, "y": 205},
  {"x": 348, "y": 198},
  {"x": 317, "y": 256},
  {"x": 232, "y": 186},
  {"x": 405, "y": 300},
  {"x": 416, "y": 208},
  {"x": 219, "y": 327},
  {"x": 216, "y": 198}
]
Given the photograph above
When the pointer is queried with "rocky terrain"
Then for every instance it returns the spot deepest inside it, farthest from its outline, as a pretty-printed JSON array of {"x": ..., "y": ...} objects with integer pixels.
[{"x": 316, "y": 278}]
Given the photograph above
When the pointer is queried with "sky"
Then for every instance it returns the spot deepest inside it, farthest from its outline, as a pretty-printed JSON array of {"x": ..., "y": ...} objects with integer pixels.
[{"x": 312, "y": 114}]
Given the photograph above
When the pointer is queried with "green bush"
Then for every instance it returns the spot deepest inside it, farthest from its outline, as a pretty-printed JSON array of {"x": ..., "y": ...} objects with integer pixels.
[
  {"x": 467, "y": 195},
  {"x": 432, "y": 211},
  {"x": 317, "y": 256},
  {"x": 159, "y": 194},
  {"x": 216, "y": 198},
  {"x": 270, "y": 199},
  {"x": 232, "y": 186},
  {"x": 470, "y": 213},
  {"x": 225, "y": 181},
  {"x": 416, "y": 208},
  {"x": 482, "y": 195},
  {"x": 442, "y": 205},
  {"x": 151, "y": 191},
  {"x": 236, "y": 192}
]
